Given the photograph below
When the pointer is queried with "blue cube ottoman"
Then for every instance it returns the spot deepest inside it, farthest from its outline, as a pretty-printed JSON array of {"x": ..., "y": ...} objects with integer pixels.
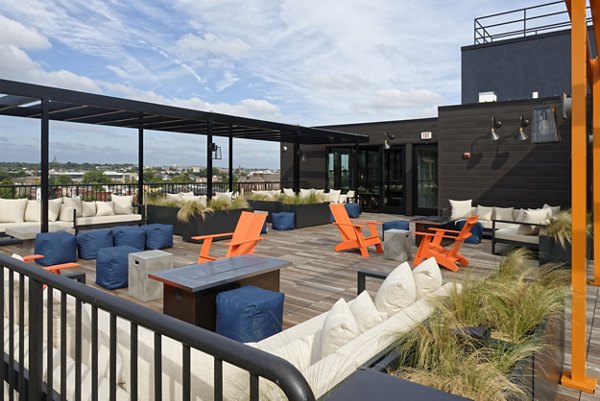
[
  {"x": 397, "y": 224},
  {"x": 130, "y": 235},
  {"x": 249, "y": 313},
  {"x": 282, "y": 220},
  {"x": 476, "y": 232},
  {"x": 58, "y": 247},
  {"x": 353, "y": 209},
  {"x": 112, "y": 266},
  {"x": 90, "y": 241},
  {"x": 158, "y": 236}
]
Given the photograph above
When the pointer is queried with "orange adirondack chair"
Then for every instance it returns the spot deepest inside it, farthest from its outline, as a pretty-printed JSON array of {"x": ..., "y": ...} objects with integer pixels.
[
  {"x": 53, "y": 269},
  {"x": 431, "y": 245},
  {"x": 243, "y": 239},
  {"x": 351, "y": 231}
]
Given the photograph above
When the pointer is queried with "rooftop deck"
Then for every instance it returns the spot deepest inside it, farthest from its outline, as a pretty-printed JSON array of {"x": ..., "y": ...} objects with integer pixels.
[{"x": 320, "y": 276}]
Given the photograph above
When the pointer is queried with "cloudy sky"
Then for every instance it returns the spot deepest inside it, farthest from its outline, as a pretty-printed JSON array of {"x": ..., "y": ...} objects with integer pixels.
[{"x": 304, "y": 62}]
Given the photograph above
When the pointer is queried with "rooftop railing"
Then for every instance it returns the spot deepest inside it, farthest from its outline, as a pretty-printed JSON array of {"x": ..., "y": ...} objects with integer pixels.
[
  {"x": 523, "y": 22},
  {"x": 41, "y": 311}
]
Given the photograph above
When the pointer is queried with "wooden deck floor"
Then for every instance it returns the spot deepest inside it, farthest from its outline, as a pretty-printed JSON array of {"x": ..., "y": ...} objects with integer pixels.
[{"x": 320, "y": 276}]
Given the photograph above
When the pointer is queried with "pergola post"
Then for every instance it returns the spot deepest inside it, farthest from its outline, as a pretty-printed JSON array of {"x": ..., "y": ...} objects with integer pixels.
[
  {"x": 296, "y": 164},
  {"x": 209, "y": 160},
  {"x": 577, "y": 378},
  {"x": 230, "y": 158},
  {"x": 140, "y": 189},
  {"x": 45, "y": 163}
]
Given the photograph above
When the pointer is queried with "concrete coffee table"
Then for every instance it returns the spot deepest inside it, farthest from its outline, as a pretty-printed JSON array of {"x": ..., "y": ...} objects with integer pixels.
[
  {"x": 397, "y": 245},
  {"x": 142, "y": 263}
]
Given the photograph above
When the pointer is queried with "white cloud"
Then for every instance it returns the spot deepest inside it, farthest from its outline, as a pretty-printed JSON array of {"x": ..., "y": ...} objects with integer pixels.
[
  {"x": 194, "y": 45},
  {"x": 16, "y": 34},
  {"x": 229, "y": 78}
]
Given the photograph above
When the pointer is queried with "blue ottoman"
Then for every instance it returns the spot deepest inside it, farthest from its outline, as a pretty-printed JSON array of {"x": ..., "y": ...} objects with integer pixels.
[
  {"x": 158, "y": 236},
  {"x": 397, "y": 224},
  {"x": 353, "y": 209},
  {"x": 282, "y": 220},
  {"x": 57, "y": 248},
  {"x": 112, "y": 266},
  {"x": 476, "y": 232},
  {"x": 90, "y": 241},
  {"x": 132, "y": 236},
  {"x": 249, "y": 313}
]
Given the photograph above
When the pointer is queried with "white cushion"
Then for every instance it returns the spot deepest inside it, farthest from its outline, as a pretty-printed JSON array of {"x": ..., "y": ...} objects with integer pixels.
[
  {"x": 73, "y": 203},
  {"x": 104, "y": 209},
  {"x": 366, "y": 314},
  {"x": 66, "y": 213},
  {"x": 318, "y": 191},
  {"x": 88, "y": 209},
  {"x": 350, "y": 194},
  {"x": 186, "y": 194},
  {"x": 504, "y": 213},
  {"x": 485, "y": 213},
  {"x": 173, "y": 197},
  {"x": 122, "y": 204},
  {"x": 339, "y": 328},
  {"x": 289, "y": 192},
  {"x": 397, "y": 291},
  {"x": 305, "y": 193},
  {"x": 12, "y": 210},
  {"x": 428, "y": 277},
  {"x": 298, "y": 352},
  {"x": 460, "y": 209},
  {"x": 555, "y": 209},
  {"x": 533, "y": 216},
  {"x": 226, "y": 196},
  {"x": 54, "y": 206},
  {"x": 32, "y": 212},
  {"x": 520, "y": 215},
  {"x": 334, "y": 195}
]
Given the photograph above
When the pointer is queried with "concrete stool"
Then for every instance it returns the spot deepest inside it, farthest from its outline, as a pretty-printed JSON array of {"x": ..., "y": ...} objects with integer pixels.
[
  {"x": 142, "y": 263},
  {"x": 112, "y": 266},
  {"x": 398, "y": 224},
  {"x": 397, "y": 245},
  {"x": 249, "y": 313}
]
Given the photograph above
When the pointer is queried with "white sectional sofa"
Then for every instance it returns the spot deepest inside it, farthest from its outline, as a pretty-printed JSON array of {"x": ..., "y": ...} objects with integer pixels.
[
  {"x": 23, "y": 212},
  {"x": 507, "y": 225}
]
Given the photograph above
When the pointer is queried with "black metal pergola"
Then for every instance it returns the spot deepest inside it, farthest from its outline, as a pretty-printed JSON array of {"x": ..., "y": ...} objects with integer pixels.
[{"x": 47, "y": 103}]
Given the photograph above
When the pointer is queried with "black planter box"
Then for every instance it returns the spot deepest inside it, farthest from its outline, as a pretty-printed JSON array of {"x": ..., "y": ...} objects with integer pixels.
[
  {"x": 551, "y": 251},
  {"x": 267, "y": 206},
  {"x": 223, "y": 221},
  {"x": 313, "y": 214}
]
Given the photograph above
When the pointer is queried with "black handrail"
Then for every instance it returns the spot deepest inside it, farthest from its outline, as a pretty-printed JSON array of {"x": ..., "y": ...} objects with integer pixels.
[
  {"x": 485, "y": 26},
  {"x": 253, "y": 360}
]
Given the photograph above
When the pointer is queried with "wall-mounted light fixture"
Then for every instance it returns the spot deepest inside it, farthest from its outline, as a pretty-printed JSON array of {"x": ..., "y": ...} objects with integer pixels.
[
  {"x": 521, "y": 135},
  {"x": 215, "y": 152},
  {"x": 493, "y": 136},
  {"x": 301, "y": 156},
  {"x": 284, "y": 148},
  {"x": 388, "y": 138}
]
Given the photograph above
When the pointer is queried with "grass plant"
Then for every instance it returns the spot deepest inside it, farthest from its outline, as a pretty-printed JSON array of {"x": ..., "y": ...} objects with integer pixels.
[
  {"x": 560, "y": 227},
  {"x": 307, "y": 200}
]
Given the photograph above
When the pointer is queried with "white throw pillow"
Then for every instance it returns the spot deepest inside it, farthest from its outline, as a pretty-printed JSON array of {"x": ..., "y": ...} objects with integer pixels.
[
  {"x": 298, "y": 352},
  {"x": 32, "y": 212},
  {"x": 520, "y": 215},
  {"x": 122, "y": 204},
  {"x": 54, "y": 206},
  {"x": 533, "y": 216},
  {"x": 88, "y": 208},
  {"x": 66, "y": 213},
  {"x": 12, "y": 210},
  {"x": 73, "y": 203},
  {"x": 460, "y": 209},
  {"x": 485, "y": 213},
  {"x": 202, "y": 199},
  {"x": 334, "y": 195},
  {"x": 173, "y": 197},
  {"x": 339, "y": 328},
  {"x": 397, "y": 291},
  {"x": 555, "y": 209},
  {"x": 504, "y": 213},
  {"x": 428, "y": 277},
  {"x": 318, "y": 191},
  {"x": 184, "y": 194},
  {"x": 226, "y": 196},
  {"x": 305, "y": 193},
  {"x": 288, "y": 192},
  {"x": 104, "y": 209},
  {"x": 366, "y": 314},
  {"x": 350, "y": 194}
]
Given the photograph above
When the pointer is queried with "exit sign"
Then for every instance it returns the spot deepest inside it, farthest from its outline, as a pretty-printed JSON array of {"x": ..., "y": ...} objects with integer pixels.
[{"x": 426, "y": 135}]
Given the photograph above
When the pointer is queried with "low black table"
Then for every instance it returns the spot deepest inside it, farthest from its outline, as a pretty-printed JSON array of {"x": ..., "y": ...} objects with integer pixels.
[
  {"x": 190, "y": 292},
  {"x": 372, "y": 385},
  {"x": 422, "y": 224}
]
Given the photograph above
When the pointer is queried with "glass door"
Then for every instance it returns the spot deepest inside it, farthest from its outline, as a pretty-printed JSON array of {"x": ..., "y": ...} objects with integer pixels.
[
  {"x": 394, "y": 180},
  {"x": 370, "y": 179},
  {"x": 426, "y": 179},
  {"x": 339, "y": 162}
]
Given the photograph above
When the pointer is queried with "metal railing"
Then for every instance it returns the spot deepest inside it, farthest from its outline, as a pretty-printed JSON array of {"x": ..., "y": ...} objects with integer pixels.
[
  {"x": 27, "y": 349},
  {"x": 102, "y": 192},
  {"x": 523, "y": 22}
]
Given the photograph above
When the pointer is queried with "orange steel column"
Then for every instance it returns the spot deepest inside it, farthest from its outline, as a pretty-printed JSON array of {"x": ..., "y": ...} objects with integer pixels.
[{"x": 577, "y": 377}]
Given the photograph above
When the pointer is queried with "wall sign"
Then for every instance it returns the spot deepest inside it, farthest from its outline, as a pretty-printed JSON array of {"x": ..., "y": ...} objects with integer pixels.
[{"x": 426, "y": 135}]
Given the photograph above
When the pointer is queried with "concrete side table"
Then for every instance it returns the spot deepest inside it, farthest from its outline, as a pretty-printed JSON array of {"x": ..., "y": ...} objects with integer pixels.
[
  {"x": 142, "y": 263},
  {"x": 397, "y": 245}
]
